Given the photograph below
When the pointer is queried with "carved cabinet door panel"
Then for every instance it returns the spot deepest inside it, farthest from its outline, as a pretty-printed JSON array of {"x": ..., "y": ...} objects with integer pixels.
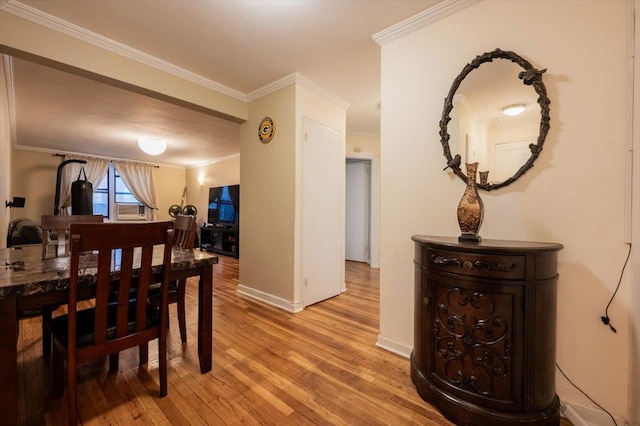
[{"x": 473, "y": 330}]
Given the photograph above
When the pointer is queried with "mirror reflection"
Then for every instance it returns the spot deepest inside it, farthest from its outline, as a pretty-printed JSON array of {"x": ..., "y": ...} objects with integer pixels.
[
  {"x": 480, "y": 128},
  {"x": 496, "y": 114}
]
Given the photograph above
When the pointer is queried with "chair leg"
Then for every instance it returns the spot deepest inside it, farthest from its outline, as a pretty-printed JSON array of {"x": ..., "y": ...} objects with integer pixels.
[
  {"x": 114, "y": 361},
  {"x": 182, "y": 320},
  {"x": 162, "y": 358},
  {"x": 57, "y": 374},
  {"x": 72, "y": 393},
  {"x": 143, "y": 356},
  {"x": 46, "y": 334}
]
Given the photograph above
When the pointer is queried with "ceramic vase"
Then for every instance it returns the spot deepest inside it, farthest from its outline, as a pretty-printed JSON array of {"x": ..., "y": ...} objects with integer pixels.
[{"x": 470, "y": 208}]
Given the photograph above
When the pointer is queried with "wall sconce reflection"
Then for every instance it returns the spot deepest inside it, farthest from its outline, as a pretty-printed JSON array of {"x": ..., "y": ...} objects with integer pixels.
[{"x": 201, "y": 179}]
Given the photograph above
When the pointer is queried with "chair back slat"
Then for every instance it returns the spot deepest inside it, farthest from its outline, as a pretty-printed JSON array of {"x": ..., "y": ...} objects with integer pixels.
[
  {"x": 58, "y": 226},
  {"x": 102, "y": 293},
  {"x": 143, "y": 288},
  {"x": 124, "y": 290}
]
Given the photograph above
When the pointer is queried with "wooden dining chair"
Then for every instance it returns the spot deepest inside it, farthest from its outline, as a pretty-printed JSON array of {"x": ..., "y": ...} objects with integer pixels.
[
  {"x": 55, "y": 230},
  {"x": 110, "y": 327},
  {"x": 184, "y": 237}
]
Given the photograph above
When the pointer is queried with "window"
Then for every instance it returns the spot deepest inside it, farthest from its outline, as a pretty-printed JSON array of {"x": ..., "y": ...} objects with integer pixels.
[
  {"x": 122, "y": 193},
  {"x": 111, "y": 192},
  {"x": 101, "y": 197},
  {"x": 226, "y": 212}
]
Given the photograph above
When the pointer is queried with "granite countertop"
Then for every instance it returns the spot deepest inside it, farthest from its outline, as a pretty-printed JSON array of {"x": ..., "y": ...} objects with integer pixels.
[{"x": 25, "y": 272}]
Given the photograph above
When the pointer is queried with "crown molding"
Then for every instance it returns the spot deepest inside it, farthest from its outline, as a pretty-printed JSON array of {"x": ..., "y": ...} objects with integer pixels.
[
  {"x": 421, "y": 20},
  {"x": 36, "y": 16},
  {"x": 272, "y": 87},
  {"x": 321, "y": 91},
  {"x": 460, "y": 98},
  {"x": 296, "y": 78}
]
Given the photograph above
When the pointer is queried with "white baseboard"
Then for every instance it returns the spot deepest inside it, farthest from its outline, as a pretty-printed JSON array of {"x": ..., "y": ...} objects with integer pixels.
[
  {"x": 581, "y": 415},
  {"x": 394, "y": 346},
  {"x": 270, "y": 299}
]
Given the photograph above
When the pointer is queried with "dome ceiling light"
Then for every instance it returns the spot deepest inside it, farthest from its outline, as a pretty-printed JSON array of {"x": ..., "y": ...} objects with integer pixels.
[
  {"x": 152, "y": 146},
  {"x": 513, "y": 110}
]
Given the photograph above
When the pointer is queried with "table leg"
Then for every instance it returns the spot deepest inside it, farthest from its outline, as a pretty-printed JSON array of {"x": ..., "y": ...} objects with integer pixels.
[
  {"x": 205, "y": 319},
  {"x": 8, "y": 362}
]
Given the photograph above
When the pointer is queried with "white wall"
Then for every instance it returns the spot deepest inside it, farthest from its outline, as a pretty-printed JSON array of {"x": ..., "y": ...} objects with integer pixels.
[
  {"x": 311, "y": 105},
  {"x": 574, "y": 195}
]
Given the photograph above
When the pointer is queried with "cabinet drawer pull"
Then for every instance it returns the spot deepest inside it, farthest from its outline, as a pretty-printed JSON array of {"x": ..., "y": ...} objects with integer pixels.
[
  {"x": 425, "y": 301},
  {"x": 494, "y": 266},
  {"x": 441, "y": 260}
]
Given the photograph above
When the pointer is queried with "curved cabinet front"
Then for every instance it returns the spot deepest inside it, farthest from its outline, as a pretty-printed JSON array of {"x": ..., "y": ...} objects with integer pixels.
[{"x": 484, "y": 333}]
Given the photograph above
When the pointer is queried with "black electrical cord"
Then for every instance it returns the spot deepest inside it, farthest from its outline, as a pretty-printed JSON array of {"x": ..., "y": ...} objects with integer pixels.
[
  {"x": 605, "y": 319},
  {"x": 581, "y": 391}
]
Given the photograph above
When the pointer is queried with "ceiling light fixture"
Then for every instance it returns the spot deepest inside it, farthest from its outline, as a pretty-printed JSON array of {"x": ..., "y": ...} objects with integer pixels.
[
  {"x": 152, "y": 146},
  {"x": 511, "y": 110}
]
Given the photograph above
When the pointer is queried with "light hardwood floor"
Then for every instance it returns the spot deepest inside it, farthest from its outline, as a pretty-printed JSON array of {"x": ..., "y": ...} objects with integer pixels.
[{"x": 318, "y": 367}]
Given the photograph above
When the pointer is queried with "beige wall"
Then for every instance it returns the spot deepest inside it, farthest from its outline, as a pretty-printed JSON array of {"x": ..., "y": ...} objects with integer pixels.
[
  {"x": 271, "y": 192},
  {"x": 170, "y": 183},
  {"x": 5, "y": 158},
  {"x": 34, "y": 177},
  {"x": 363, "y": 144},
  {"x": 574, "y": 195},
  {"x": 267, "y": 197},
  {"x": 34, "y": 39},
  {"x": 225, "y": 172}
]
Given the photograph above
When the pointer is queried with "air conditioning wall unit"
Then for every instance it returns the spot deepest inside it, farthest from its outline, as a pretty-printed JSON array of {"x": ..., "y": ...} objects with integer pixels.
[{"x": 131, "y": 212}]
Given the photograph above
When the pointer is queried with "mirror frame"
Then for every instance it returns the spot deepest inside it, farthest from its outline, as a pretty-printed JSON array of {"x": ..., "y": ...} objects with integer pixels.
[{"x": 530, "y": 77}]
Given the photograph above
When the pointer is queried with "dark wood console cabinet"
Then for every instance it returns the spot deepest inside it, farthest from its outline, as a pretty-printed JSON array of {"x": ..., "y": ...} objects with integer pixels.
[
  {"x": 485, "y": 330},
  {"x": 220, "y": 240}
]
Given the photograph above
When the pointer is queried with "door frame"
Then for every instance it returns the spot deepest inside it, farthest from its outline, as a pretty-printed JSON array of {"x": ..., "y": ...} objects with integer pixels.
[{"x": 374, "y": 205}]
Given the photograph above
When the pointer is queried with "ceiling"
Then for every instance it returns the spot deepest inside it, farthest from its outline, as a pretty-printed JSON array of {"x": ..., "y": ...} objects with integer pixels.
[{"x": 241, "y": 44}]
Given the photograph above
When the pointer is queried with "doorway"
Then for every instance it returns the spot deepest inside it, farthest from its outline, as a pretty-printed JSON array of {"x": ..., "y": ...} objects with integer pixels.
[
  {"x": 322, "y": 213},
  {"x": 364, "y": 201},
  {"x": 358, "y": 210}
]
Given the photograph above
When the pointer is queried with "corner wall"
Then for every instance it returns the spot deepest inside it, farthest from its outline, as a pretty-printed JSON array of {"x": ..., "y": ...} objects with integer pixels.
[
  {"x": 312, "y": 106},
  {"x": 574, "y": 195},
  {"x": 5, "y": 157},
  {"x": 219, "y": 173},
  {"x": 267, "y": 197}
]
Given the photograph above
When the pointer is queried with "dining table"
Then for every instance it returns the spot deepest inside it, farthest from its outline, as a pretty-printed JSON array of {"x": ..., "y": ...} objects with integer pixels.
[{"x": 29, "y": 282}]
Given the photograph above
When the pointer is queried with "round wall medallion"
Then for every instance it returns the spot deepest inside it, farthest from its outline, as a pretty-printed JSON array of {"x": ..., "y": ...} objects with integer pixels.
[{"x": 266, "y": 130}]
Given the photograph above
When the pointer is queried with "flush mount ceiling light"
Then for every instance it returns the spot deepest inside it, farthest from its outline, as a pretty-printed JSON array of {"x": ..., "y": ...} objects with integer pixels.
[
  {"x": 511, "y": 110},
  {"x": 152, "y": 146}
]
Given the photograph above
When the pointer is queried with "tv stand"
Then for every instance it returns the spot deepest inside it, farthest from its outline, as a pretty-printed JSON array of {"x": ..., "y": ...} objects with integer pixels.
[{"x": 220, "y": 239}]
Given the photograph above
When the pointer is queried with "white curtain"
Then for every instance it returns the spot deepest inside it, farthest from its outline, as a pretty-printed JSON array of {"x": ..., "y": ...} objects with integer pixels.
[
  {"x": 139, "y": 179},
  {"x": 96, "y": 169}
]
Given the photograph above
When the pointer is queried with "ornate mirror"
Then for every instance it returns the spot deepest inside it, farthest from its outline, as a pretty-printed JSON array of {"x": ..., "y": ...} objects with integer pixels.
[{"x": 475, "y": 126}]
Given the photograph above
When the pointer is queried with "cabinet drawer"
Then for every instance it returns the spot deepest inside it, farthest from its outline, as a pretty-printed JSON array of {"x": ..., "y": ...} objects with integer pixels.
[{"x": 508, "y": 267}]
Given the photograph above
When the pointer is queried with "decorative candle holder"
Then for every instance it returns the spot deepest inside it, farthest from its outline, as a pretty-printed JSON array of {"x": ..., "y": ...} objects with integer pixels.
[{"x": 470, "y": 208}]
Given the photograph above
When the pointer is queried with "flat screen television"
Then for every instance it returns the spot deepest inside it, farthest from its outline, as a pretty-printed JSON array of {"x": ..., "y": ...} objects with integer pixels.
[{"x": 224, "y": 205}]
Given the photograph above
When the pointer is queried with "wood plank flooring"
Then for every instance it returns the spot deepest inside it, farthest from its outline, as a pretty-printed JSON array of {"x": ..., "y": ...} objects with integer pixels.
[{"x": 318, "y": 367}]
